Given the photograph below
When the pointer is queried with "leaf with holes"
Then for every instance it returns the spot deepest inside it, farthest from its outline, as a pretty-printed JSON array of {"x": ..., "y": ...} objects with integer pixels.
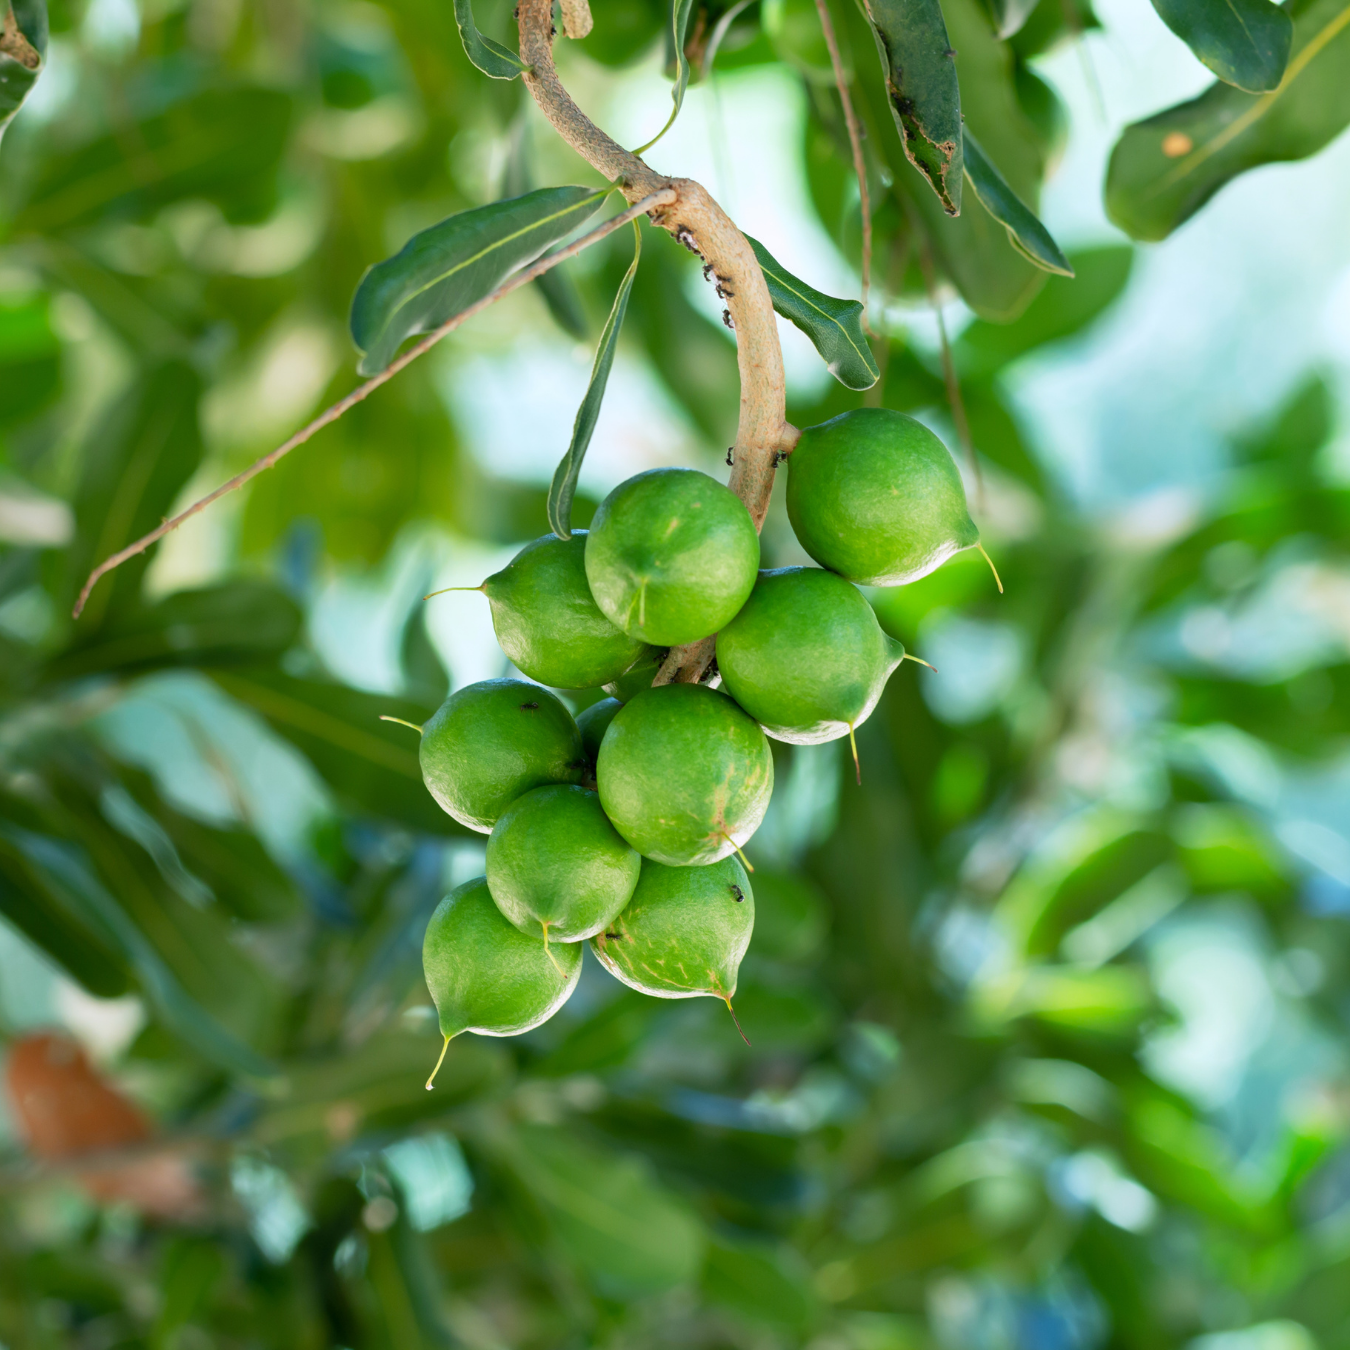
[
  {"x": 564, "y": 485},
  {"x": 443, "y": 270},
  {"x": 834, "y": 326},
  {"x": 1244, "y": 42},
  {"x": 491, "y": 57},
  {"x": 1025, "y": 231},
  {"x": 919, "y": 66},
  {"x": 23, "y": 52},
  {"x": 1165, "y": 169}
]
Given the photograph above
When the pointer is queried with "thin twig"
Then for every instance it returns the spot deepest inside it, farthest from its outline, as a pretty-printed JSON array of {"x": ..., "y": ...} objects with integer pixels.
[
  {"x": 949, "y": 376},
  {"x": 855, "y": 140},
  {"x": 661, "y": 198}
]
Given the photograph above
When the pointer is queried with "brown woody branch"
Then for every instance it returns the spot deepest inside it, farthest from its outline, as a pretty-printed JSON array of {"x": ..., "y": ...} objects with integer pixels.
[{"x": 695, "y": 220}]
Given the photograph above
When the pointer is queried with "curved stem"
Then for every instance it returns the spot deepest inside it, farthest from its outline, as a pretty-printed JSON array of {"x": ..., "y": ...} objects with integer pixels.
[{"x": 696, "y": 221}]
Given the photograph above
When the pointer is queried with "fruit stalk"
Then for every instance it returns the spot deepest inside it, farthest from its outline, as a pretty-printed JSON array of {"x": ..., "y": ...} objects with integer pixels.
[{"x": 699, "y": 223}]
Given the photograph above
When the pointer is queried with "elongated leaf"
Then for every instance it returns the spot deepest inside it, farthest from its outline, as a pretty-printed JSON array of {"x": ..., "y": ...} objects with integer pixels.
[
  {"x": 490, "y": 57},
  {"x": 919, "y": 66},
  {"x": 677, "y": 33},
  {"x": 137, "y": 459},
  {"x": 628, "y": 1233},
  {"x": 834, "y": 326},
  {"x": 1244, "y": 42},
  {"x": 564, "y": 485},
  {"x": 1059, "y": 311},
  {"x": 371, "y": 765},
  {"x": 556, "y": 285},
  {"x": 1026, "y": 233},
  {"x": 1008, "y": 16},
  {"x": 66, "y": 871},
  {"x": 443, "y": 270},
  {"x": 1165, "y": 169},
  {"x": 223, "y": 144},
  {"x": 23, "y": 50},
  {"x": 244, "y": 621}
]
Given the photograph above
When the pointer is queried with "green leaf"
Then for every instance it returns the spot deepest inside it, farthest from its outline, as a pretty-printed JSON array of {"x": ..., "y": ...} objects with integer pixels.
[
  {"x": 1060, "y": 310},
  {"x": 443, "y": 270},
  {"x": 919, "y": 66},
  {"x": 1244, "y": 42},
  {"x": 760, "y": 1283},
  {"x": 834, "y": 326},
  {"x": 66, "y": 871},
  {"x": 1009, "y": 16},
  {"x": 371, "y": 765},
  {"x": 223, "y": 144},
  {"x": 564, "y": 485},
  {"x": 240, "y": 622},
  {"x": 136, "y": 461},
  {"x": 677, "y": 32},
  {"x": 1026, "y": 233},
  {"x": 492, "y": 58},
  {"x": 629, "y": 1234},
  {"x": 30, "y": 360},
  {"x": 1163, "y": 170},
  {"x": 37, "y": 909},
  {"x": 23, "y": 50}
]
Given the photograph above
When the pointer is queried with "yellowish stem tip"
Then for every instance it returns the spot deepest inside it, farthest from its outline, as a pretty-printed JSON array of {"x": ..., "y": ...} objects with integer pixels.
[
  {"x": 439, "y": 1062},
  {"x": 384, "y": 717},
  {"x": 853, "y": 745},
  {"x": 445, "y": 590},
  {"x": 548, "y": 952},
  {"x": 992, "y": 568},
  {"x": 737, "y": 1021},
  {"x": 921, "y": 661},
  {"x": 745, "y": 862},
  {"x": 642, "y": 606}
]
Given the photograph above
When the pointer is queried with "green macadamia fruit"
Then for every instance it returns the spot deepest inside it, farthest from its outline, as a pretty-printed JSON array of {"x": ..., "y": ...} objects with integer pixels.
[
  {"x": 683, "y": 933},
  {"x": 806, "y": 657},
  {"x": 639, "y": 677},
  {"x": 491, "y": 742},
  {"x": 671, "y": 556},
  {"x": 684, "y": 774},
  {"x": 874, "y": 495},
  {"x": 547, "y": 622},
  {"x": 556, "y": 867},
  {"x": 593, "y": 722},
  {"x": 486, "y": 976}
]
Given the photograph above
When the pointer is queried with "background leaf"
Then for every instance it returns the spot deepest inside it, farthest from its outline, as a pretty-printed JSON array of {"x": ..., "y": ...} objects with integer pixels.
[
  {"x": 1028, "y": 235},
  {"x": 443, "y": 270},
  {"x": 23, "y": 47},
  {"x": 564, "y": 485},
  {"x": 1166, "y": 168},
  {"x": 1244, "y": 42},
  {"x": 834, "y": 326},
  {"x": 491, "y": 57}
]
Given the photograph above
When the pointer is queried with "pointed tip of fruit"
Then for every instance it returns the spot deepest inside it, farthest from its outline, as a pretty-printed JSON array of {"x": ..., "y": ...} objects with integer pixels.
[
  {"x": 432, "y": 1080},
  {"x": 445, "y": 590}
]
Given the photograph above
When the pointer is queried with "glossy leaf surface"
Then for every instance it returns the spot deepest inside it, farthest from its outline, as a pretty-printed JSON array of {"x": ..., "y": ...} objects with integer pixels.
[
  {"x": 1163, "y": 170},
  {"x": 834, "y": 326},
  {"x": 563, "y": 488},
  {"x": 1029, "y": 237},
  {"x": 490, "y": 56},
  {"x": 919, "y": 72},
  {"x": 443, "y": 270},
  {"x": 1244, "y": 42}
]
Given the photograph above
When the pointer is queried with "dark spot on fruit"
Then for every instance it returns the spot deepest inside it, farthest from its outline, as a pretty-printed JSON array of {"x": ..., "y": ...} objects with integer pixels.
[
  {"x": 526, "y": 706},
  {"x": 613, "y": 937},
  {"x": 736, "y": 893}
]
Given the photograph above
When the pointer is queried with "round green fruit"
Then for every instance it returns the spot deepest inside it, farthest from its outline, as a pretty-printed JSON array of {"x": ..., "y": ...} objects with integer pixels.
[
  {"x": 640, "y": 677},
  {"x": 806, "y": 657},
  {"x": 671, "y": 556},
  {"x": 874, "y": 495},
  {"x": 488, "y": 977},
  {"x": 593, "y": 722},
  {"x": 684, "y": 775},
  {"x": 547, "y": 622},
  {"x": 556, "y": 867},
  {"x": 683, "y": 933},
  {"x": 491, "y": 742}
]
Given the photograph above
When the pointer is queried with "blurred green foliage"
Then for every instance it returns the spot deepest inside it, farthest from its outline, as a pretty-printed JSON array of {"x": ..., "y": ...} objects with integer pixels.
[{"x": 969, "y": 1118}]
